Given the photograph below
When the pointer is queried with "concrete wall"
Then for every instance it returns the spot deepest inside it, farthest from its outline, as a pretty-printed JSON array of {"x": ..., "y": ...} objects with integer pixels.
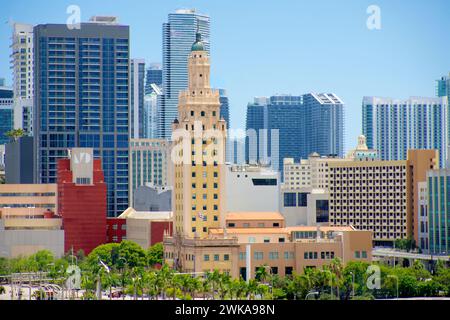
[
  {"x": 149, "y": 199},
  {"x": 306, "y": 216},
  {"x": 243, "y": 195},
  {"x": 14, "y": 243}
]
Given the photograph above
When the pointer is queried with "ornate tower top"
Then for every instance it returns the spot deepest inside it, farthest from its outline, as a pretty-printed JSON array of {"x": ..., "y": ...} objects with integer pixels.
[{"x": 198, "y": 44}]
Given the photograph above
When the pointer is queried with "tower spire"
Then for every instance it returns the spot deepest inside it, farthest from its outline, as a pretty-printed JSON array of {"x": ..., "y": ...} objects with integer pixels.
[{"x": 198, "y": 44}]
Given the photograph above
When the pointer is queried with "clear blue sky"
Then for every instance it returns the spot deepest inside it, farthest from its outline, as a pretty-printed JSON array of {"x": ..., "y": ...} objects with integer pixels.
[{"x": 262, "y": 47}]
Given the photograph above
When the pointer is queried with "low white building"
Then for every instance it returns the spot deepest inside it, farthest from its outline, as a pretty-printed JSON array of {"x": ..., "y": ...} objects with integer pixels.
[
  {"x": 304, "y": 207},
  {"x": 252, "y": 188}
]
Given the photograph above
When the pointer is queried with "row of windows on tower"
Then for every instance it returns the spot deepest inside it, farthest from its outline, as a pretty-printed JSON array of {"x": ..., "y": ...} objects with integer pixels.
[
  {"x": 205, "y": 185},
  {"x": 194, "y": 196},
  {"x": 203, "y": 113},
  {"x": 205, "y": 229},
  {"x": 204, "y": 174},
  {"x": 205, "y": 218},
  {"x": 203, "y": 127}
]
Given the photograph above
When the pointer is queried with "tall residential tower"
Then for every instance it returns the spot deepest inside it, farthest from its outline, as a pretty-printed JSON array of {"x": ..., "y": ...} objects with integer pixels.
[
  {"x": 81, "y": 80},
  {"x": 22, "y": 65},
  {"x": 393, "y": 126}
]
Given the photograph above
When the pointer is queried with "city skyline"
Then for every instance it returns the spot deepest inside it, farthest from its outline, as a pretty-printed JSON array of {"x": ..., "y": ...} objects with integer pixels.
[{"x": 399, "y": 70}]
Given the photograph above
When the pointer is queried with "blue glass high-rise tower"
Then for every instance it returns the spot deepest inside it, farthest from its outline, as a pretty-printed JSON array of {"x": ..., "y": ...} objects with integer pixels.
[
  {"x": 81, "y": 80},
  {"x": 305, "y": 124},
  {"x": 443, "y": 87},
  {"x": 178, "y": 35},
  {"x": 6, "y": 112}
]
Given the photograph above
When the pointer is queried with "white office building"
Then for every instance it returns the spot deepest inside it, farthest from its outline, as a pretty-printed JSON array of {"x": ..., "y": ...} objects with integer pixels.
[{"x": 252, "y": 188}]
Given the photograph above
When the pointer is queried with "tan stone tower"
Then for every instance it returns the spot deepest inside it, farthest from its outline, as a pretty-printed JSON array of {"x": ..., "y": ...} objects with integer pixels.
[{"x": 199, "y": 138}]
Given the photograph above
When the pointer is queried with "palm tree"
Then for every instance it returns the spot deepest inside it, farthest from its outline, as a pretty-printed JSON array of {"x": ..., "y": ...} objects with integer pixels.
[
  {"x": 252, "y": 288},
  {"x": 206, "y": 285},
  {"x": 151, "y": 284},
  {"x": 164, "y": 277},
  {"x": 223, "y": 285},
  {"x": 336, "y": 269},
  {"x": 214, "y": 279},
  {"x": 299, "y": 285},
  {"x": 176, "y": 284},
  {"x": 261, "y": 273},
  {"x": 15, "y": 134}
]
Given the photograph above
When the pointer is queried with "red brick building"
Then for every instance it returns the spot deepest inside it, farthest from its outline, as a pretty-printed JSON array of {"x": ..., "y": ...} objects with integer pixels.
[
  {"x": 116, "y": 229},
  {"x": 82, "y": 200}
]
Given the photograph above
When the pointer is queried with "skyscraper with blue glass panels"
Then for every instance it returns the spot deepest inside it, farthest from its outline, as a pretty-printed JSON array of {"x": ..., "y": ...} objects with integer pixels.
[
  {"x": 392, "y": 126},
  {"x": 81, "y": 80},
  {"x": 225, "y": 114},
  {"x": 137, "y": 85},
  {"x": 294, "y": 127},
  {"x": 153, "y": 75},
  {"x": 178, "y": 36},
  {"x": 6, "y": 112},
  {"x": 439, "y": 211},
  {"x": 443, "y": 87}
]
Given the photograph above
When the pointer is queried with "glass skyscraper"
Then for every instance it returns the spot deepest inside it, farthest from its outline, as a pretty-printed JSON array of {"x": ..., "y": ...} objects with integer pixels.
[
  {"x": 443, "y": 87},
  {"x": 137, "y": 72},
  {"x": 178, "y": 35},
  {"x": 439, "y": 211},
  {"x": 306, "y": 124},
  {"x": 392, "y": 126},
  {"x": 6, "y": 113},
  {"x": 81, "y": 80},
  {"x": 153, "y": 75},
  {"x": 225, "y": 114}
]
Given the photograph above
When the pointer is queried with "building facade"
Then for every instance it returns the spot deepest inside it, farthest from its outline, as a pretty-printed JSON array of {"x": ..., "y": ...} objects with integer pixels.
[
  {"x": 82, "y": 100},
  {"x": 423, "y": 243},
  {"x": 137, "y": 76},
  {"x": 380, "y": 196},
  {"x": 178, "y": 35},
  {"x": 394, "y": 126},
  {"x": 28, "y": 220},
  {"x": 82, "y": 200},
  {"x": 147, "y": 228},
  {"x": 251, "y": 188},
  {"x": 304, "y": 206},
  {"x": 150, "y": 163},
  {"x": 22, "y": 65},
  {"x": 438, "y": 183},
  {"x": 252, "y": 240}
]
